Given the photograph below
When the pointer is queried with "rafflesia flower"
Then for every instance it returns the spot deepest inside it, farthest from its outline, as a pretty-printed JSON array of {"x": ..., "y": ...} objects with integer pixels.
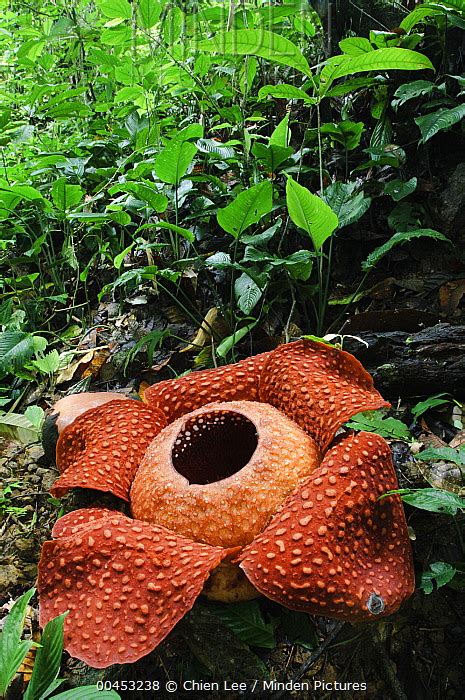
[{"x": 237, "y": 487}]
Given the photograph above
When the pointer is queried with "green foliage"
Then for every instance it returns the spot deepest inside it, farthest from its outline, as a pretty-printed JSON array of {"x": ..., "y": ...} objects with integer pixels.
[
  {"x": 310, "y": 213},
  {"x": 12, "y": 648},
  {"x": 400, "y": 238},
  {"x": 449, "y": 454},
  {"x": 376, "y": 422},
  {"x": 247, "y": 208},
  {"x": 432, "y": 500},
  {"x": 439, "y": 573},
  {"x": 44, "y": 680},
  {"x": 247, "y": 622},
  {"x": 431, "y": 402}
]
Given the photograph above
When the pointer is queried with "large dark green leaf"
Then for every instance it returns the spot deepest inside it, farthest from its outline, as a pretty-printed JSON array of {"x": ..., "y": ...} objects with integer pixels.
[
  {"x": 310, "y": 212},
  {"x": 246, "y": 621},
  {"x": 48, "y": 659},
  {"x": 256, "y": 42},
  {"x": 400, "y": 238},
  {"x": 247, "y": 209},
  {"x": 12, "y": 649},
  {"x": 215, "y": 645}
]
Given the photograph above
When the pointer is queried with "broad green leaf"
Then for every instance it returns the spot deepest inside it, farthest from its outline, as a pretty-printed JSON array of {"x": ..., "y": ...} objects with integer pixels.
[
  {"x": 173, "y": 25},
  {"x": 355, "y": 45},
  {"x": 398, "y": 189},
  {"x": 431, "y": 124},
  {"x": 347, "y": 201},
  {"x": 431, "y": 402},
  {"x": 18, "y": 427},
  {"x": 247, "y": 209},
  {"x": 247, "y": 292},
  {"x": 66, "y": 196},
  {"x": 184, "y": 232},
  {"x": 256, "y": 42},
  {"x": 433, "y": 500},
  {"x": 148, "y": 13},
  {"x": 379, "y": 60},
  {"x": 216, "y": 646},
  {"x": 48, "y": 364},
  {"x": 117, "y": 36},
  {"x": 16, "y": 348},
  {"x": 400, "y": 238},
  {"x": 228, "y": 343},
  {"x": 12, "y": 650},
  {"x": 115, "y": 9},
  {"x": 439, "y": 573},
  {"x": 299, "y": 264},
  {"x": 36, "y": 415},
  {"x": 246, "y": 621},
  {"x": 48, "y": 659},
  {"x": 285, "y": 92},
  {"x": 145, "y": 192},
  {"x": 376, "y": 422},
  {"x": 281, "y": 134},
  {"x": 412, "y": 91},
  {"x": 87, "y": 692},
  {"x": 272, "y": 156},
  {"x": 299, "y": 629},
  {"x": 310, "y": 212},
  {"x": 435, "y": 454},
  {"x": 418, "y": 15},
  {"x": 172, "y": 162}
]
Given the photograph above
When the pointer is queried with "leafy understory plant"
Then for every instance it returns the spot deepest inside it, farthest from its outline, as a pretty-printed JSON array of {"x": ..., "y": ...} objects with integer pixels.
[{"x": 45, "y": 675}]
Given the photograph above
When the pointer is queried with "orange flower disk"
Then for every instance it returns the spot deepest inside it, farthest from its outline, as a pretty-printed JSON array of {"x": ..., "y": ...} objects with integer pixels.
[{"x": 230, "y": 464}]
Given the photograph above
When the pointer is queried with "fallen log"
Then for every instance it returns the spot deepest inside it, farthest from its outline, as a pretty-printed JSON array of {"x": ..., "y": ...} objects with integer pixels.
[{"x": 414, "y": 364}]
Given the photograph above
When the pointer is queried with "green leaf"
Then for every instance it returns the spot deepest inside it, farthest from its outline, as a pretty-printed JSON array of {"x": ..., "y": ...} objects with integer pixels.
[
  {"x": 115, "y": 9},
  {"x": 35, "y": 415},
  {"x": 281, "y": 134},
  {"x": 65, "y": 196},
  {"x": 148, "y": 13},
  {"x": 18, "y": 427},
  {"x": 439, "y": 573},
  {"x": 172, "y": 162},
  {"x": 435, "y": 454},
  {"x": 228, "y": 343},
  {"x": 376, "y": 422},
  {"x": 431, "y": 124},
  {"x": 437, "y": 400},
  {"x": 310, "y": 212},
  {"x": 87, "y": 692},
  {"x": 299, "y": 629},
  {"x": 247, "y": 292},
  {"x": 48, "y": 659},
  {"x": 272, "y": 156},
  {"x": 299, "y": 264},
  {"x": 398, "y": 189},
  {"x": 257, "y": 42},
  {"x": 12, "y": 649},
  {"x": 246, "y": 621},
  {"x": 184, "y": 232},
  {"x": 355, "y": 45},
  {"x": 419, "y": 14},
  {"x": 146, "y": 193},
  {"x": 202, "y": 631},
  {"x": 400, "y": 238},
  {"x": 433, "y": 500},
  {"x": 412, "y": 91},
  {"x": 49, "y": 363},
  {"x": 16, "y": 349},
  {"x": 379, "y": 60},
  {"x": 347, "y": 201},
  {"x": 283, "y": 91},
  {"x": 248, "y": 208}
]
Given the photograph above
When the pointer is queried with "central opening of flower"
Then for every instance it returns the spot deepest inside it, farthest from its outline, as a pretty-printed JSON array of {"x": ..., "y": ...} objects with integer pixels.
[{"x": 213, "y": 446}]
